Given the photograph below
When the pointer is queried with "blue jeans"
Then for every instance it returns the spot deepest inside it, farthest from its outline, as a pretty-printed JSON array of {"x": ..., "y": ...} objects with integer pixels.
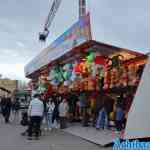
[
  {"x": 49, "y": 120},
  {"x": 101, "y": 121}
]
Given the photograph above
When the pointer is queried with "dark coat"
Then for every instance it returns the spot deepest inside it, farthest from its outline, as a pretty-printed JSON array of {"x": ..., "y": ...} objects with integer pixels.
[{"x": 6, "y": 105}]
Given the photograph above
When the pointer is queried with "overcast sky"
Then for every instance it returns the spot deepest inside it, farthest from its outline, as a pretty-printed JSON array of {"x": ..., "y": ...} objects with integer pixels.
[{"x": 121, "y": 23}]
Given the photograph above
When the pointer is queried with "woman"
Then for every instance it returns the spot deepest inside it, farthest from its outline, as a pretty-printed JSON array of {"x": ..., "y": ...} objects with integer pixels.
[
  {"x": 63, "y": 113},
  {"x": 50, "y": 110}
]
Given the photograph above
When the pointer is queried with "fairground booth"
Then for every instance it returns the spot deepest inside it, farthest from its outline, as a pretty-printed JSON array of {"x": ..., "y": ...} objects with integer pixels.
[{"x": 75, "y": 64}]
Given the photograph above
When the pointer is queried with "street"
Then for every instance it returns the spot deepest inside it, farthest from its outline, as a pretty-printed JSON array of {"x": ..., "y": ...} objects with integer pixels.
[{"x": 10, "y": 139}]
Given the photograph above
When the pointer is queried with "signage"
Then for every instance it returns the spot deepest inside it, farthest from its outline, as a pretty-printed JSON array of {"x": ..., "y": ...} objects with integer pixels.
[{"x": 79, "y": 33}]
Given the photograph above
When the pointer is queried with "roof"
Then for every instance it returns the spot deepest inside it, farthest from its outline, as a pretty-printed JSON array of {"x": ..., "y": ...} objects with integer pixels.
[{"x": 102, "y": 48}]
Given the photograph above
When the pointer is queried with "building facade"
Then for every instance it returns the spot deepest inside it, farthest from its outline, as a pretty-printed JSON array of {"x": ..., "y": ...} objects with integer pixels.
[{"x": 8, "y": 85}]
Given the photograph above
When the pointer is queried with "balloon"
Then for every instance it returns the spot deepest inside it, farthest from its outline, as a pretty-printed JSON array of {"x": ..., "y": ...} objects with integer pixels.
[{"x": 94, "y": 69}]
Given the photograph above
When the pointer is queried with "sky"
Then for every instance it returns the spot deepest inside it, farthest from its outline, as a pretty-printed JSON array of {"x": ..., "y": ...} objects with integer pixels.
[{"x": 120, "y": 23}]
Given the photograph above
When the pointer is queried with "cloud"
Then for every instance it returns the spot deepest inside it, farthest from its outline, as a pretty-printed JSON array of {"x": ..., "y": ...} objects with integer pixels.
[
  {"x": 120, "y": 23},
  {"x": 20, "y": 44},
  {"x": 14, "y": 56},
  {"x": 15, "y": 71},
  {"x": 9, "y": 53}
]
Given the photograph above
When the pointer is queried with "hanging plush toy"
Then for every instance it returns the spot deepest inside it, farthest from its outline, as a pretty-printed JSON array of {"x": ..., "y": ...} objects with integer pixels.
[
  {"x": 41, "y": 88},
  {"x": 90, "y": 57},
  {"x": 91, "y": 84},
  {"x": 124, "y": 77},
  {"x": 100, "y": 60},
  {"x": 67, "y": 71},
  {"x": 100, "y": 71},
  {"x": 52, "y": 75},
  {"x": 116, "y": 61},
  {"x": 57, "y": 75},
  {"x": 114, "y": 77},
  {"x": 107, "y": 79},
  {"x": 132, "y": 74},
  {"x": 73, "y": 76},
  {"x": 97, "y": 70},
  {"x": 77, "y": 68}
]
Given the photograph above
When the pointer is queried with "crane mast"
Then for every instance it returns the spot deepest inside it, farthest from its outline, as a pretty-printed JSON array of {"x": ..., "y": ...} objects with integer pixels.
[
  {"x": 54, "y": 8},
  {"x": 82, "y": 8}
]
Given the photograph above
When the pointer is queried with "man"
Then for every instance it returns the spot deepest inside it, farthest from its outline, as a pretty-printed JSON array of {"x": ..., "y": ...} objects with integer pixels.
[
  {"x": 6, "y": 107},
  {"x": 15, "y": 108},
  {"x": 72, "y": 105},
  {"x": 84, "y": 104},
  {"x": 35, "y": 112},
  {"x": 119, "y": 118}
]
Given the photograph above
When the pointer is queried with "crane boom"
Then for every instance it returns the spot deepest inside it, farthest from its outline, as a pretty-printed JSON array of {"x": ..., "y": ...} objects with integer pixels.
[
  {"x": 52, "y": 13},
  {"x": 54, "y": 8}
]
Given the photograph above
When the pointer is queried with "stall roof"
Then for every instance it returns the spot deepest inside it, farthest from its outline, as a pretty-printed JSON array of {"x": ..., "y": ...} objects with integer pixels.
[
  {"x": 76, "y": 39},
  {"x": 102, "y": 48}
]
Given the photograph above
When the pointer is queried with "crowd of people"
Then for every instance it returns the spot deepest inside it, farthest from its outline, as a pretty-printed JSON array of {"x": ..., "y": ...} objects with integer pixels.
[
  {"x": 59, "y": 109},
  {"x": 54, "y": 112}
]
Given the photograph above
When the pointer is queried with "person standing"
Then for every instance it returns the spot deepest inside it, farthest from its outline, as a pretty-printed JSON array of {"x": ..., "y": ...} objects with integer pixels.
[
  {"x": 55, "y": 116},
  {"x": 6, "y": 107},
  {"x": 119, "y": 118},
  {"x": 84, "y": 104},
  {"x": 50, "y": 110},
  {"x": 16, "y": 107},
  {"x": 102, "y": 119},
  {"x": 35, "y": 112},
  {"x": 63, "y": 112}
]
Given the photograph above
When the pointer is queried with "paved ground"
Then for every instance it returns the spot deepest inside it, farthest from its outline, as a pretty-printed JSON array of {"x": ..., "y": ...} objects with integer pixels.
[
  {"x": 100, "y": 137},
  {"x": 10, "y": 139}
]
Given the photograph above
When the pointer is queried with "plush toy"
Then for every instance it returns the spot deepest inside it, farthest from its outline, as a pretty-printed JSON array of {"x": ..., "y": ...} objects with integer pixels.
[
  {"x": 116, "y": 61},
  {"x": 90, "y": 57},
  {"x": 107, "y": 79},
  {"x": 100, "y": 60}
]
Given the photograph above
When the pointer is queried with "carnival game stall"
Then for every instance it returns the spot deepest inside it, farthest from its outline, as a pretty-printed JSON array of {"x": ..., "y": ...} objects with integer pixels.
[
  {"x": 89, "y": 74},
  {"x": 94, "y": 74}
]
